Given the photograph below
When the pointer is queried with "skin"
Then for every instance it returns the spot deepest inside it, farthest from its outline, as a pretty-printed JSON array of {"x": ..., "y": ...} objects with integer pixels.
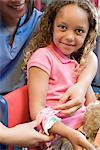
[
  {"x": 69, "y": 34},
  {"x": 22, "y": 135},
  {"x": 37, "y": 94}
]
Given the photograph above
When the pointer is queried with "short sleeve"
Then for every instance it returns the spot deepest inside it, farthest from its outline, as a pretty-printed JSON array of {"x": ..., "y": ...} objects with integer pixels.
[{"x": 41, "y": 58}]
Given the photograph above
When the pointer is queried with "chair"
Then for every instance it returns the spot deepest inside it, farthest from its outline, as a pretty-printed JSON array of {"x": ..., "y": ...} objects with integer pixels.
[{"x": 18, "y": 108}]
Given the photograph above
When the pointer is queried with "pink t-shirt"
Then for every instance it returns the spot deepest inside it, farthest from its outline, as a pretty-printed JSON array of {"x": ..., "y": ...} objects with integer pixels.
[{"x": 62, "y": 75}]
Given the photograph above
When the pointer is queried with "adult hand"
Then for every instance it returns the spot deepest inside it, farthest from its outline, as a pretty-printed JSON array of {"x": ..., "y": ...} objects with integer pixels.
[
  {"x": 72, "y": 100},
  {"x": 24, "y": 135}
]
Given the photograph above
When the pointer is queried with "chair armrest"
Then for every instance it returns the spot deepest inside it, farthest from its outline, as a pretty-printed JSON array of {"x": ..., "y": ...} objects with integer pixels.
[
  {"x": 3, "y": 117},
  {"x": 3, "y": 111}
]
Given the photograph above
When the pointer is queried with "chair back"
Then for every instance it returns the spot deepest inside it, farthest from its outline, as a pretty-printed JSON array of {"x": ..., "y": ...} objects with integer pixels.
[
  {"x": 18, "y": 106},
  {"x": 18, "y": 109}
]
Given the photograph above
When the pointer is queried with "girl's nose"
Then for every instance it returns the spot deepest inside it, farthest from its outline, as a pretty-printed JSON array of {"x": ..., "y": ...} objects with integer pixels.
[{"x": 70, "y": 36}]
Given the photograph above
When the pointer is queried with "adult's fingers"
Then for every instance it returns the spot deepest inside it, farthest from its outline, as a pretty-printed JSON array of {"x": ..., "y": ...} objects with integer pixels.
[
  {"x": 70, "y": 111},
  {"x": 45, "y": 138},
  {"x": 33, "y": 124},
  {"x": 69, "y": 104},
  {"x": 41, "y": 136}
]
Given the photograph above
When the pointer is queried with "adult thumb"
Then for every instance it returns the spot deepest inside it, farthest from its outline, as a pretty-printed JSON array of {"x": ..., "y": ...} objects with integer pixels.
[{"x": 34, "y": 123}]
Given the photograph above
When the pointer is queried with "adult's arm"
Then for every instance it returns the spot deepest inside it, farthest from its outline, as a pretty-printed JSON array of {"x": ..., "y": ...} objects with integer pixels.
[
  {"x": 22, "y": 135},
  {"x": 78, "y": 91}
]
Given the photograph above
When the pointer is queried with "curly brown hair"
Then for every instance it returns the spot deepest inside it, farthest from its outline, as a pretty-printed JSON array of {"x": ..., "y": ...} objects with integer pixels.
[{"x": 45, "y": 34}]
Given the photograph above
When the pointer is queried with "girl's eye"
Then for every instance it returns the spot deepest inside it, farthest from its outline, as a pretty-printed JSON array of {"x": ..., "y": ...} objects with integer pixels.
[
  {"x": 62, "y": 27},
  {"x": 79, "y": 31}
]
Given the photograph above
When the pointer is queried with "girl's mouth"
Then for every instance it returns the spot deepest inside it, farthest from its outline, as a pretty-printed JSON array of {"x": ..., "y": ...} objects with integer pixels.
[{"x": 68, "y": 44}]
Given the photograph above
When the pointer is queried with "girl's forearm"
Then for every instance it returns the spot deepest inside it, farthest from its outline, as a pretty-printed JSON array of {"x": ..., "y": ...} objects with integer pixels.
[
  {"x": 74, "y": 136},
  {"x": 61, "y": 129}
]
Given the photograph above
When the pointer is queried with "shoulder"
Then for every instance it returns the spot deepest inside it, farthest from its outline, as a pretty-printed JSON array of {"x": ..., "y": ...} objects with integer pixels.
[
  {"x": 41, "y": 58},
  {"x": 36, "y": 15},
  {"x": 37, "y": 12},
  {"x": 34, "y": 18},
  {"x": 41, "y": 54}
]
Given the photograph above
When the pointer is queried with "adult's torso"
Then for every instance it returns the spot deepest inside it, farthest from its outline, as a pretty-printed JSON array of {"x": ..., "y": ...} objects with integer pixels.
[{"x": 11, "y": 58}]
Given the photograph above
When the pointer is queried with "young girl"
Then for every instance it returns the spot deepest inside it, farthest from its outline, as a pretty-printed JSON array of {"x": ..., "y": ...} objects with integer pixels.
[
  {"x": 67, "y": 36},
  {"x": 18, "y": 20}
]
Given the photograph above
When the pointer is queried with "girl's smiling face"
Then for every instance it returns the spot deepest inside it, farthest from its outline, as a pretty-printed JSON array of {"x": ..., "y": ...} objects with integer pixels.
[
  {"x": 70, "y": 29},
  {"x": 12, "y": 10}
]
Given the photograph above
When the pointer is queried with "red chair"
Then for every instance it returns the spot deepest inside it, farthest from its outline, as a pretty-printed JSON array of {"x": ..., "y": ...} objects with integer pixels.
[{"x": 18, "y": 107}]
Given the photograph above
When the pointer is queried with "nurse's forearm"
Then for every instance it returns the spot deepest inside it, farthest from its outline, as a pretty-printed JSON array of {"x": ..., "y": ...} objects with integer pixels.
[{"x": 87, "y": 75}]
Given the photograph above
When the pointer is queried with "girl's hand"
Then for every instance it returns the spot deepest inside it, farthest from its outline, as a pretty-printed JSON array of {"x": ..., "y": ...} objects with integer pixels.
[
  {"x": 72, "y": 100},
  {"x": 78, "y": 139},
  {"x": 74, "y": 136}
]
